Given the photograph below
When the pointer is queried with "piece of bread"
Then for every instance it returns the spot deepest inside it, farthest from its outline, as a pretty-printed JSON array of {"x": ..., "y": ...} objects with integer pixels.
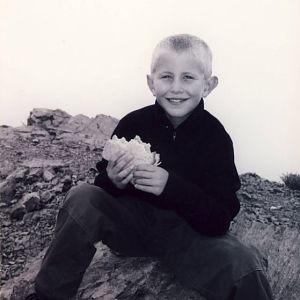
[{"x": 140, "y": 151}]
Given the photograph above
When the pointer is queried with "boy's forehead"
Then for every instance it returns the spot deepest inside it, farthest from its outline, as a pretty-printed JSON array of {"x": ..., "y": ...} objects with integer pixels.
[{"x": 166, "y": 57}]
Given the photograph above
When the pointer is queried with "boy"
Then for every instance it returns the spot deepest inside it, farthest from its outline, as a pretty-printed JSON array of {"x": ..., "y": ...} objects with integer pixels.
[{"x": 179, "y": 211}]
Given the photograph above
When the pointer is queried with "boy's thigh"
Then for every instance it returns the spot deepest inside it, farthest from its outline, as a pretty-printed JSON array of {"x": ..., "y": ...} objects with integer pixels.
[
  {"x": 119, "y": 222},
  {"x": 128, "y": 227}
]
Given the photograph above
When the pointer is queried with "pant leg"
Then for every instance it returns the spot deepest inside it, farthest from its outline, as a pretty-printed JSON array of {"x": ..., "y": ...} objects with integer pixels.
[
  {"x": 219, "y": 268},
  {"x": 89, "y": 215},
  {"x": 252, "y": 286}
]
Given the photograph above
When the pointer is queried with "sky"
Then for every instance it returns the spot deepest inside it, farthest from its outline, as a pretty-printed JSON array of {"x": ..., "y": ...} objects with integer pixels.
[{"x": 92, "y": 56}]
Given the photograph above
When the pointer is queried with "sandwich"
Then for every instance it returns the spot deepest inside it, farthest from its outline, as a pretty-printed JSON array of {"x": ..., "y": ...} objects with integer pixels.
[{"x": 139, "y": 150}]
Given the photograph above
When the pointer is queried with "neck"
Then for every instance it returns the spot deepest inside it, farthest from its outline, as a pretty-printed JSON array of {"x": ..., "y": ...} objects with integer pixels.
[{"x": 176, "y": 121}]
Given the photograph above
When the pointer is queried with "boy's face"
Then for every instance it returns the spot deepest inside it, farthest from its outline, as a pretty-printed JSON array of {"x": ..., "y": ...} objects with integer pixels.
[{"x": 178, "y": 83}]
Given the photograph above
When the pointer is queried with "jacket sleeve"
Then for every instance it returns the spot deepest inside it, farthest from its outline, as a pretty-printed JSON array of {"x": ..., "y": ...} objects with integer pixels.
[{"x": 209, "y": 205}]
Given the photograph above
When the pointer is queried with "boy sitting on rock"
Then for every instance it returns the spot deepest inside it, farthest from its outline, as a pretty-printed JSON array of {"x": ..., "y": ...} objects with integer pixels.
[{"x": 178, "y": 211}]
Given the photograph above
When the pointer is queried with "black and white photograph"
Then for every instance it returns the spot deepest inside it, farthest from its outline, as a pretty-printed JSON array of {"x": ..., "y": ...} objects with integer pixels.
[{"x": 149, "y": 150}]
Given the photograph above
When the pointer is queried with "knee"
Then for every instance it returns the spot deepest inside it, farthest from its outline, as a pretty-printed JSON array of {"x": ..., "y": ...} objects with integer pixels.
[
  {"x": 243, "y": 259},
  {"x": 79, "y": 198}
]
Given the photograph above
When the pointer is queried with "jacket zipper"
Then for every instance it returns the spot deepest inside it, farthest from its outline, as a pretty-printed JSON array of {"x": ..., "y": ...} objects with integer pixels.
[{"x": 174, "y": 135}]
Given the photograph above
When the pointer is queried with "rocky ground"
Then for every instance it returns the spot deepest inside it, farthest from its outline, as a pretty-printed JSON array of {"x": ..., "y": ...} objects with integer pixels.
[{"x": 40, "y": 162}]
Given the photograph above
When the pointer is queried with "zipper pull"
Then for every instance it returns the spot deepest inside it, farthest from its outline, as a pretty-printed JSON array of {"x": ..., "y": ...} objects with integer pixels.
[{"x": 174, "y": 135}]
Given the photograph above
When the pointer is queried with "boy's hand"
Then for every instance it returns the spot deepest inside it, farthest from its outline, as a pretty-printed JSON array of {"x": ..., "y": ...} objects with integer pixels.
[
  {"x": 120, "y": 170},
  {"x": 149, "y": 178}
]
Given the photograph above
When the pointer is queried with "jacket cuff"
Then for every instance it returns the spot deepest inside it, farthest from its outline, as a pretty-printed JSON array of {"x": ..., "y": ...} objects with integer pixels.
[{"x": 103, "y": 181}]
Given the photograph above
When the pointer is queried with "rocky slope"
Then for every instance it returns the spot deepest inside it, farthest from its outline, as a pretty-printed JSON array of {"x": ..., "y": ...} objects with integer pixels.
[{"x": 40, "y": 162}]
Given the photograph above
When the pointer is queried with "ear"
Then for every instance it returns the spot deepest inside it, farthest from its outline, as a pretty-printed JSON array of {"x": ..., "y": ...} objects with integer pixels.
[
  {"x": 150, "y": 84},
  {"x": 211, "y": 83}
]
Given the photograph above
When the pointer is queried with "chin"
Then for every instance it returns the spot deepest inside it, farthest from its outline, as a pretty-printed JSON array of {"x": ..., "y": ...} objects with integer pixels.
[
  {"x": 176, "y": 113},
  {"x": 177, "y": 116}
]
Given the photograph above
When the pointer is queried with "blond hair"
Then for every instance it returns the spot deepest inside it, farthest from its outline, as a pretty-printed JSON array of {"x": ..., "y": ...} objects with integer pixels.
[{"x": 185, "y": 43}]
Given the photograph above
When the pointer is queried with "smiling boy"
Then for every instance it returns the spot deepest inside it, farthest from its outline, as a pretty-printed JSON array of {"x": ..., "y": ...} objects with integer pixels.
[{"x": 180, "y": 211}]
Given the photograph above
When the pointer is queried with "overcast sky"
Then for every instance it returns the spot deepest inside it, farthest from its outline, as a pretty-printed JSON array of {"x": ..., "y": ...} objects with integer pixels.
[{"x": 92, "y": 56}]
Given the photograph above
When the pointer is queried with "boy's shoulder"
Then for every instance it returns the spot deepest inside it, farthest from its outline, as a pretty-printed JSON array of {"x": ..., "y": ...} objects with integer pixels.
[
  {"x": 213, "y": 121},
  {"x": 215, "y": 128}
]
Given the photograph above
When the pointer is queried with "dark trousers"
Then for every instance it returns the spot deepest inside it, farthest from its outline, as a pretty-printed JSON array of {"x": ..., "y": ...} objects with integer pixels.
[{"x": 218, "y": 267}]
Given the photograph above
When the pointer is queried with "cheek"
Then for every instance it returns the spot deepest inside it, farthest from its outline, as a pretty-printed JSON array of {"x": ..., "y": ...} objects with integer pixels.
[
  {"x": 161, "y": 88},
  {"x": 197, "y": 90}
]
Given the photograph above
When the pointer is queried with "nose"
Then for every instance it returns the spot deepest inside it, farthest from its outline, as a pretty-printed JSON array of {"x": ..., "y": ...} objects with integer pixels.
[{"x": 176, "y": 87}]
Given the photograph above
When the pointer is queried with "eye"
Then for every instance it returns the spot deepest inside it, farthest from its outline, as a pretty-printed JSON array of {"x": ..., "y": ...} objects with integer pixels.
[
  {"x": 188, "y": 77},
  {"x": 166, "y": 77}
]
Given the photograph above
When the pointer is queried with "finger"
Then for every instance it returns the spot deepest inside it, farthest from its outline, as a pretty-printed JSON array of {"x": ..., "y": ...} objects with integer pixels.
[
  {"x": 123, "y": 162},
  {"x": 123, "y": 174},
  {"x": 127, "y": 179},
  {"x": 143, "y": 181},
  {"x": 110, "y": 164},
  {"x": 119, "y": 155},
  {"x": 144, "y": 188},
  {"x": 143, "y": 174},
  {"x": 146, "y": 167}
]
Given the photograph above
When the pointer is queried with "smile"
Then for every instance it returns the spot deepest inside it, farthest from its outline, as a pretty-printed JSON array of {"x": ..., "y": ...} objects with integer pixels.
[{"x": 176, "y": 100}]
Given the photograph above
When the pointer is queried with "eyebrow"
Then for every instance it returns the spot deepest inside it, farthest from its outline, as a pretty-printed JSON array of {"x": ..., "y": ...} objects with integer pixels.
[
  {"x": 188, "y": 73},
  {"x": 184, "y": 73},
  {"x": 161, "y": 72}
]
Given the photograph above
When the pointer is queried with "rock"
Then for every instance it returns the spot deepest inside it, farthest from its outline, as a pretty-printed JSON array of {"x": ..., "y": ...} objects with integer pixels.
[
  {"x": 67, "y": 183},
  {"x": 276, "y": 190},
  {"x": 18, "y": 175},
  {"x": 7, "y": 191},
  {"x": 66, "y": 154},
  {"x": 134, "y": 278},
  {"x": 6, "y": 168},
  {"x": 48, "y": 175},
  {"x": 46, "y": 196},
  {"x": 40, "y": 134},
  {"x": 76, "y": 124},
  {"x": 6, "y": 223},
  {"x": 55, "y": 181},
  {"x": 18, "y": 212},
  {"x": 80, "y": 128},
  {"x": 35, "y": 141},
  {"x": 27, "y": 130},
  {"x": 44, "y": 163},
  {"x": 58, "y": 189},
  {"x": 276, "y": 207},
  {"x": 31, "y": 201},
  {"x": 86, "y": 130},
  {"x": 39, "y": 186},
  {"x": 246, "y": 195},
  {"x": 47, "y": 118},
  {"x": 35, "y": 174}
]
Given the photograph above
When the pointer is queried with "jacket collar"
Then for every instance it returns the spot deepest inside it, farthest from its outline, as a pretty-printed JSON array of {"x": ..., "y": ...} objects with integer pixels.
[{"x": 195, "y": 117}]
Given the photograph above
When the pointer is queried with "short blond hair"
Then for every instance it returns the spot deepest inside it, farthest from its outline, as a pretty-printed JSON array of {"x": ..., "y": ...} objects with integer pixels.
[{"x": 182, "y": 43}]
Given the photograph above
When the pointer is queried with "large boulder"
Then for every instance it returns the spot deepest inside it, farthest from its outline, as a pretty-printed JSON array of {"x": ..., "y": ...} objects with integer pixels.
[
  {"x": 68, "y": 129},
  {"x": 110, "y": 277},
  {"x": 47, "y": 118}
]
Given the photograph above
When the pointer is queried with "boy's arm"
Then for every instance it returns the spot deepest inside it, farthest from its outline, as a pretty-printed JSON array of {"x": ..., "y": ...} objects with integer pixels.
[
  {"x": 210, "y": 206},
  {"x": 102, "y": 180}
]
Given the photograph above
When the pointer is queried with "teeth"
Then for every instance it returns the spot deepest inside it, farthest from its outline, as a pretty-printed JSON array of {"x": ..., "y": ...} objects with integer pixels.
[{"x": 175, "y": 100}]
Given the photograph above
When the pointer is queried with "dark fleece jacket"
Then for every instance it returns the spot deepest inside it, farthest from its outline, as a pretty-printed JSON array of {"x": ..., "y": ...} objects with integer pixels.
[{"x": 199, "y": 157}]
